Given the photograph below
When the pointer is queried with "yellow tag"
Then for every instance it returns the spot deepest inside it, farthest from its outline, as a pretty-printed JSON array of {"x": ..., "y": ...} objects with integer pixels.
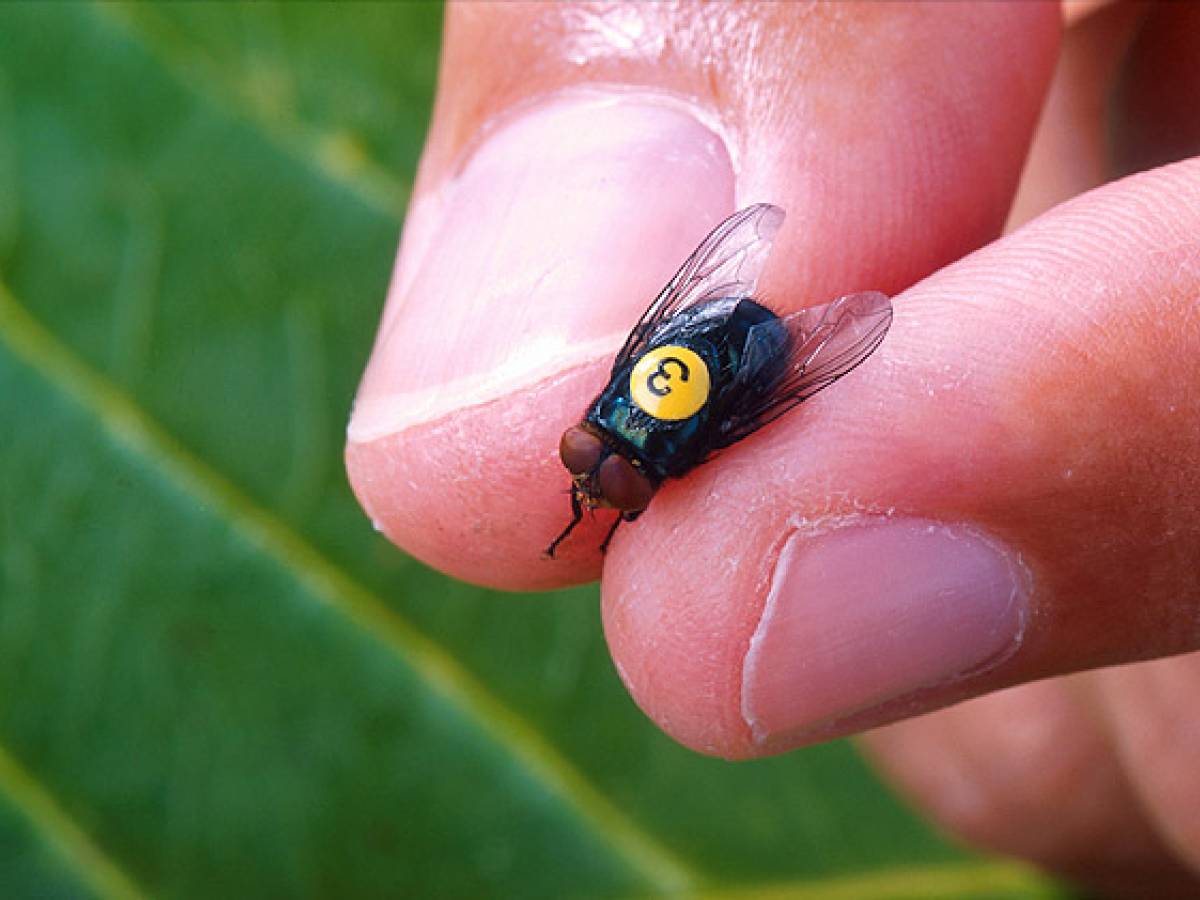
[{"x": 670, "y": 383}]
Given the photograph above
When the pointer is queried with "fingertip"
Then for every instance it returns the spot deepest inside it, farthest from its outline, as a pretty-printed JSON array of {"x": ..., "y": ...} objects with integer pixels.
[
  {"x": 972, "y": 509},
  {"x": 503, "y": 319},
  {"x": 480, "y": 493},
  {"x": 681, "y": 597}
]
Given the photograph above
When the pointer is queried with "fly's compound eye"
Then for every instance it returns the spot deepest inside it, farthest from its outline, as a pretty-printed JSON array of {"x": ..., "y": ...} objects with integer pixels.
[
  {"x": 670, "y": 383},
  {"x": 580, "y": 450},
  {"x": 622, "y": 486}
]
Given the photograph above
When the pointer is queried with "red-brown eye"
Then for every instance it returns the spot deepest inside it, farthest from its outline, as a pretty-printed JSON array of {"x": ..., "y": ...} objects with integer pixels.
[
  {"x": 622, "y": 486},
  {"x": 580, "y": 450}
]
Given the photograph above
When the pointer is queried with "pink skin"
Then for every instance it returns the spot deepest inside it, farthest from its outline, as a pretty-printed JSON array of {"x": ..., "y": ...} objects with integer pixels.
[
  {"x": 939, "y": 429},
  {"x": 449, "y": 429},
  {"x": 1006, "y": 491}
]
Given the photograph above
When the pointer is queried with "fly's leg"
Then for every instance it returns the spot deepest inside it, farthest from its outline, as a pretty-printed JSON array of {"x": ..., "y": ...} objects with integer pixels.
[
  {"x": 623, "y": 517},
  {"x": 616, "y": 524},
  {"x": 576, "y": 517}
]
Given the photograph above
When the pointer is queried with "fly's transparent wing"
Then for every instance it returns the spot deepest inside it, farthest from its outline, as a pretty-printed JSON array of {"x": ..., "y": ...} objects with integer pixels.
[
  {"x": 790, "y": 359},
  {"x": 726, "y": 264}
]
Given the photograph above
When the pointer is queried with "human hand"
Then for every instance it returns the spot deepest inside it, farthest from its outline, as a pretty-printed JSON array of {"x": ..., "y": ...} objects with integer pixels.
[{"x": 1005, "y": 492}]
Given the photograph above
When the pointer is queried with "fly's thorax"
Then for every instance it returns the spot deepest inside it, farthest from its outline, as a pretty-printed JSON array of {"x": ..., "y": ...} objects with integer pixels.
[
  {"x": 655, "y": 415},
  {"x": 670, "y": 383}
]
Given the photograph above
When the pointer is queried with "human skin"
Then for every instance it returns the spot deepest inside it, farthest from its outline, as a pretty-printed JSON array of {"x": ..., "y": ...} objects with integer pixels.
[{"x": 1005, "y": 493}]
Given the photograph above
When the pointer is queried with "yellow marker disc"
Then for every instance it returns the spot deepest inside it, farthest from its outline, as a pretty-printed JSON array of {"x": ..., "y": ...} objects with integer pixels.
[{"x": 670, "y": 383}]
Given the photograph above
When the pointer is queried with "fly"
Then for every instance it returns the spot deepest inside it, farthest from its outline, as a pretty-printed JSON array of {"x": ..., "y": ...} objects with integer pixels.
[{"x": 705, "y": 366}]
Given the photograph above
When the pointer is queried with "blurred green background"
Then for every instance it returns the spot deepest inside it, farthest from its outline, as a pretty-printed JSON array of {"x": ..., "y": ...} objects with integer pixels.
[{"x": 215, "y": 678}]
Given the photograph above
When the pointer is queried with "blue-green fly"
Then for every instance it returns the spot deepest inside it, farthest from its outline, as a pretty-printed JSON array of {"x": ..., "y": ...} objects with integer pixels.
[{"x": 705, "y": 366}]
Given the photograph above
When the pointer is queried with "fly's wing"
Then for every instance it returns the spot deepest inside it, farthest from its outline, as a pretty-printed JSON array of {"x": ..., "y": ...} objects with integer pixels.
[
  {"x": 726, "y": 264},
  {"x": 790, "y": 359}
]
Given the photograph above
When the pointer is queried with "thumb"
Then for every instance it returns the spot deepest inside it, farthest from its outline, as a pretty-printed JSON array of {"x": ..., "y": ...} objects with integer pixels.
[
  {"x": 1007, "y": 491},
  {"x": 580, "y": 152}
]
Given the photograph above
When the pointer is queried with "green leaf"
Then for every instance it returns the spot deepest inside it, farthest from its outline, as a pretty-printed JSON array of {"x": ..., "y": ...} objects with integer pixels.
[{"x": 215, "y": 679}]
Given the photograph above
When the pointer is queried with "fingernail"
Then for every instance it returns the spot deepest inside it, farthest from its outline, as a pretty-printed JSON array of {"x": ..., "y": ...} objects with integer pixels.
[
  {"x": 875, "y": 611},
  {"x": 540, "y": 253}
]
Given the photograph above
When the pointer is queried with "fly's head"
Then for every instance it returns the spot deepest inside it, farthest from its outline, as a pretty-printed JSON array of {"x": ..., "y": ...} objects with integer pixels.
[{"x": 601, "y": 477}]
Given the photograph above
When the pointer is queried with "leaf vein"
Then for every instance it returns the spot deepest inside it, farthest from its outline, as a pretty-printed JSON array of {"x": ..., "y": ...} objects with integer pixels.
[
  {"x": 929, "y": 882},
  {"x": 320, "y": 150},
  {"x": 49, "y": 819},
  {"x": 127, "y": 424}
]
